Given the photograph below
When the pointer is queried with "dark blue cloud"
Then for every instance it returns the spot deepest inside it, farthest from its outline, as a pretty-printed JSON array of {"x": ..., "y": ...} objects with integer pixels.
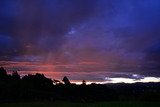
[{"x": 108, "y": 31}]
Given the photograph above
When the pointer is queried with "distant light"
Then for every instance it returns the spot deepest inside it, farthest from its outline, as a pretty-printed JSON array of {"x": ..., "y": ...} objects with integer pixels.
[
  {"x": 108, "y": 79},
  {"x": 130, "y": 80},
  {"x": 135, "y": 75},
  {"x": 151, "y": 79}
]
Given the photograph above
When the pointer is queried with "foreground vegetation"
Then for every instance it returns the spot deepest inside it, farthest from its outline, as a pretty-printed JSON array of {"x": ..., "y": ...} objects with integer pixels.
[
  {"x": 37, "y": 87},
  {"x": 69, "y": 104}
]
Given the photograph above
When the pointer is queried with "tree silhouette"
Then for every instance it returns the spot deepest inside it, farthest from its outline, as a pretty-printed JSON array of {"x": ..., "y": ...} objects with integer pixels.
[
  {"x": 66, "y": 80},
  {"x": 3, "y": 74},
  {"x": 15, "y": 75},
  {"x": 38, "y": 81},
  {"x": 56, "y": 81},
  {"x": 83, "y": 82},
  {"x": 39, "y": 87}
]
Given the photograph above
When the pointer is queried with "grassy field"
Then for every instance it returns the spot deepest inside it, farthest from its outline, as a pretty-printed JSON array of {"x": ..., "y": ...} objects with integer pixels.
[{"x": 69, "y": 104}]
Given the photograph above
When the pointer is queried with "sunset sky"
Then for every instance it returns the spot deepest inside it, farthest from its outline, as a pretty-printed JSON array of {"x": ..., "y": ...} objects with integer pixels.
[{"x": 95, "y": 40}]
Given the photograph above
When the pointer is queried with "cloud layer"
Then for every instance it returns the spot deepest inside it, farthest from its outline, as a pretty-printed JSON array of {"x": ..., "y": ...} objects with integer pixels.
[{"x": 92, "y": 36}]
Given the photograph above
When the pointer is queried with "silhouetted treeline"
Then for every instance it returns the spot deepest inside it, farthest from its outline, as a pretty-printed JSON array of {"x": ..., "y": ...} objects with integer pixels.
[{"x": 38, "y": 87}]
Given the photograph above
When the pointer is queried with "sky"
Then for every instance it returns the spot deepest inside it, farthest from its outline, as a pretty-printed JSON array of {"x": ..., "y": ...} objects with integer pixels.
[{"x": 94, "y": 40}]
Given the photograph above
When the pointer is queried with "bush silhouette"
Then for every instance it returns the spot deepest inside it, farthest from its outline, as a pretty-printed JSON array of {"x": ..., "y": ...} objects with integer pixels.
[
  {"x": 66, "y": 81},
  {"x": 3, "y": 73},
  {"x": 39, "y": 87},
  {"x": 15, "y": 75},
  {"x": 83, "y": 82}
]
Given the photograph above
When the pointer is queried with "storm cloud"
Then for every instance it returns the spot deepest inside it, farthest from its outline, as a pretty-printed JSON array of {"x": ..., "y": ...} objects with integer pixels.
[{"x": 91, "y": 35}]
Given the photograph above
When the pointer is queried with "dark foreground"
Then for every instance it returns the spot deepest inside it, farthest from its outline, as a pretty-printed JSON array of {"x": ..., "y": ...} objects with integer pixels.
[
  {"x": 35, "y": 88},
  {"x": 69, "y": 104}
]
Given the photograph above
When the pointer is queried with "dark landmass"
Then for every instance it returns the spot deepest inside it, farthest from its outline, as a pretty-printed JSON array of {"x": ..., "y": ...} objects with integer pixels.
[
  {"x": 39, "y": 88},
  {"x": 81, "y": 104}
]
